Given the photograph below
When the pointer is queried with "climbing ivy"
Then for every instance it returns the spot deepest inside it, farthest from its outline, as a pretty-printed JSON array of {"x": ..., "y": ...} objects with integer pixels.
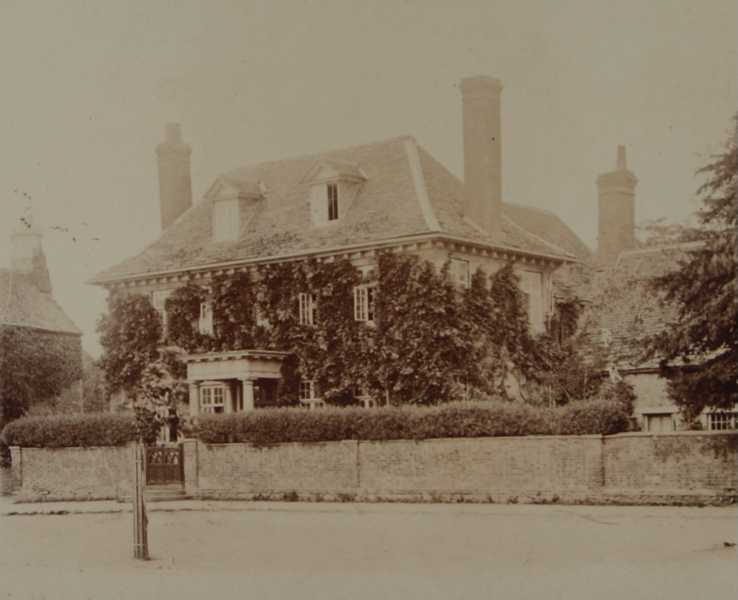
[
  {"x": 429, "y": 342},
  {"x": 130, "y": 334}
]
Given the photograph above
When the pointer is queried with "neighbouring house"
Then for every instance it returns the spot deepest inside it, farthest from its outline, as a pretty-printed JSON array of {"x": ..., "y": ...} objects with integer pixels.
[
  {"x": 622, "y": 307},
  {"x": 349, "y": 203},
  {"x": 27, "y": 306}
]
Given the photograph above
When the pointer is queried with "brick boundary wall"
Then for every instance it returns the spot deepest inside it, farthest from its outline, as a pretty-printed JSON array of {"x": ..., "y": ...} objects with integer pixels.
[{"x": 631, "y": 468}]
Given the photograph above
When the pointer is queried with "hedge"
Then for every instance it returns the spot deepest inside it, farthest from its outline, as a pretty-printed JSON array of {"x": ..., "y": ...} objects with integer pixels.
[
  {"x": 482, "y": 419},
  {"x": 278, "y": 425},
  {"x": 61, "y": 431}
]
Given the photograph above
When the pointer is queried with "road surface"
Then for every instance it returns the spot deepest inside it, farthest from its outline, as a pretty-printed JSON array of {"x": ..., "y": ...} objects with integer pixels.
[{"x": 377, "y": 551}]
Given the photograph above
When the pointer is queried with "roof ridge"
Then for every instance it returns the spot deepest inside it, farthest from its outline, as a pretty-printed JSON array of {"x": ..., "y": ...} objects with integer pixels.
[
  {"x": 317, "y": 155},
  {"x": 421, "y": 191},
  {"x": 537, "y": 237},
  {"x": 648, "y": 249}
]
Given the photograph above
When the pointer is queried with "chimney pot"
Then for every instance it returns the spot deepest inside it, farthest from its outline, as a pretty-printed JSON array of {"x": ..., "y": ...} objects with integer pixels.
[
  {"x": 173, "y": 133},
  {"x": 616, "y": 208},
  {"x": 621, "y": 163}
]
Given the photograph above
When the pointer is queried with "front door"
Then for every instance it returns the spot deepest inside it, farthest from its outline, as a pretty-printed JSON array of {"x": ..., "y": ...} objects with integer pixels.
[{"x": 164, "y": 464}]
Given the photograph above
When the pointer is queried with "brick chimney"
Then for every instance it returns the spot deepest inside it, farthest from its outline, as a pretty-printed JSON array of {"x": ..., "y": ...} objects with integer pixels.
[
  {"x": 175, "y": 182},
  {"x": 26, "y": 251},
  {"x": 616, "y": 211},
  {"x": 480, "y": 97}
]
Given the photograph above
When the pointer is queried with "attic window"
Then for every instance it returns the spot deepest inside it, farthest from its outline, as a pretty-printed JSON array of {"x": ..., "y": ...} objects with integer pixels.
[
  {"x": 332, "y": 195},
  {"x": 226, "y": 221}
]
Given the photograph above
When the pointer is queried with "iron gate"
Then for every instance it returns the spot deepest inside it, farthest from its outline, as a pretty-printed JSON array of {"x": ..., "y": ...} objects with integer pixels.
[{"x": 164, "y": 464}]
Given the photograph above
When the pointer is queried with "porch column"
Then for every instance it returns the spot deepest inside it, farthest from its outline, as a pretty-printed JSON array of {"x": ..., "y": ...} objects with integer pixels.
[
  {"x": 194, "y": 398},
  {"x": 227, "y": 398},
  {"x": 247, "y": 385}
]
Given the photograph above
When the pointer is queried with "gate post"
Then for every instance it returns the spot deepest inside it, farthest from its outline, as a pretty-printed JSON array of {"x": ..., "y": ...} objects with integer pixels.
[{"x": 190, "y": 467}]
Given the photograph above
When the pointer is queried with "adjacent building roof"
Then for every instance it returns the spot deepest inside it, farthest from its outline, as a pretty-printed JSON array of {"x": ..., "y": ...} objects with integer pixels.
[
  {"x": 624, "y": 309},
  {"x": 23, "y": 304},
  {"x": 402, "y": 192}
]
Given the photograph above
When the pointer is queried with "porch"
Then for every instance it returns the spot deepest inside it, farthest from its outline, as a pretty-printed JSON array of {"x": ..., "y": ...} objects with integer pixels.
[{"x": 236, "y": 381}]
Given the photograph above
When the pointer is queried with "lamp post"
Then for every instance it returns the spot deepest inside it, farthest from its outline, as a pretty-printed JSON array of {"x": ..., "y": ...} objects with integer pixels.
[{"x": 140, "y": 522}]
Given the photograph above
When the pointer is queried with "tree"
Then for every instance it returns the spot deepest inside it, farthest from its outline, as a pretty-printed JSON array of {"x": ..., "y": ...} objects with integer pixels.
[
  {"x": 34, "y": 367},
  {"x": 160, "y": 392},
  {"x": 130, "y": 334},
  {"x": 703, "y": 289}
]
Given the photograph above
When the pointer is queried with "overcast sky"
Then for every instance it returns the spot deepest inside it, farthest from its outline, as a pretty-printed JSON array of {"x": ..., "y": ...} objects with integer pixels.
[{"x": 88, "y": 86}]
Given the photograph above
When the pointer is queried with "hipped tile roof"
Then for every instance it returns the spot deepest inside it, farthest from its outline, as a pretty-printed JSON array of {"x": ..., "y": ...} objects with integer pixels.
[
  {"x": 623, "y": 307},
  {"x": 388, "y": 205},
  {"x": 22, "y": 304}
]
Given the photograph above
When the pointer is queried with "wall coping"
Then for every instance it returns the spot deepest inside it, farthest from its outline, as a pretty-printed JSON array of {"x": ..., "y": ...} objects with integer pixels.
[
  {"x": 71, "y": 447},
  {"x": 672, "y": 434},
  {"x": 406, "y": 440}
]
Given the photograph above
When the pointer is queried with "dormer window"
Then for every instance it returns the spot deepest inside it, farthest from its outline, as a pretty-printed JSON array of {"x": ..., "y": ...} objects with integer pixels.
[
  {"x": 332, "y": 197},
  {"x": 226, "y": 219},
  {"x": 235, "y": 199},
  {"x": 334, "y": 186}
]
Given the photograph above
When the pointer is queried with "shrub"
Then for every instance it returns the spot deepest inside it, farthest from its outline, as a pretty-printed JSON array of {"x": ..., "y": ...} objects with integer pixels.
[
  {"x": 59, "y": 431},
  {"x": 460, "y": 420},
  {"x": 593, "y": 416}
]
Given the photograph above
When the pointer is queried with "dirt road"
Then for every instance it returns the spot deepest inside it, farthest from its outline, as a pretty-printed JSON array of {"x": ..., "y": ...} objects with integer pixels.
[{"x": 377, "y": 551}]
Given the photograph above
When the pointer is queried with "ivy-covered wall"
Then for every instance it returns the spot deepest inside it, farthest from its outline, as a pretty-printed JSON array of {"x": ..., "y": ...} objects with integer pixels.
[{"x": 430, "y": 341}]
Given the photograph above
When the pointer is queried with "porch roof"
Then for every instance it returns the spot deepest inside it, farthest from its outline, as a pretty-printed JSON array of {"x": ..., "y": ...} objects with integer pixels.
[{"x": 236, "y": 364}]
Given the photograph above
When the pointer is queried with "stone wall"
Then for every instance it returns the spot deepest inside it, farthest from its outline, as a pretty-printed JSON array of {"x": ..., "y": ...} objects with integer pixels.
[
  {"x": 483, "y": 469},
  {"x": 687, "y": 466},
  {"x": 73, "y": 473},
  {"x": 634, "y": 468}
]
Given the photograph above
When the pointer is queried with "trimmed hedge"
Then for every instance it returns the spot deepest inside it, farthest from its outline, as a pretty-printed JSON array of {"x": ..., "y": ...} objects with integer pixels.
[
  {"x": 279, "y": 425},
  {"x": 459, "y": 420},
  {"x": 61, "y": 431}
]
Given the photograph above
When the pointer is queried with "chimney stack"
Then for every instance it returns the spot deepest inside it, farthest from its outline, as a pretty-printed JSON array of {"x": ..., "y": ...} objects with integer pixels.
[
  {"x": 482, "y": 152},
  {"x": 175, "y": 182},
  {"x": 616, "y": 197},
  {"x": 26, "y": 251}
]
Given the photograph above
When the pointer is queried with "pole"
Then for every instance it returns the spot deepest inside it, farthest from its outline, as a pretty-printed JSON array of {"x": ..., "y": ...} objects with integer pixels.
[{"x": 140, "y": 522}]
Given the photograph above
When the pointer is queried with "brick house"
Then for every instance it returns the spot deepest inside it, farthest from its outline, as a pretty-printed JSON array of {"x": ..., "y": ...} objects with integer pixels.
[
  {"x": 349, "y": 203},
  {"x": 27, "y": 302}
]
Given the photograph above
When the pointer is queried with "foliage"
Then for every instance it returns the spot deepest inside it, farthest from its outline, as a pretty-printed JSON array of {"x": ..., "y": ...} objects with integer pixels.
[
  {"x": 94, "y": 389},
  {"x": 35, "y": 367},
  {"x": 160, "y": 393},
  {"x": 59, "y": 431},
  {"x": 420, "y": 345},
  {"x": 703, "y": 288},
  {"x": 129, "y": 334},
  {"x": 460, "y": 420},
  {"x": 183, "y": 311},
  {"x": 512, "y": 336},
  {"x": 600, "y": 415},
  {"x": 429, "y": 342}
]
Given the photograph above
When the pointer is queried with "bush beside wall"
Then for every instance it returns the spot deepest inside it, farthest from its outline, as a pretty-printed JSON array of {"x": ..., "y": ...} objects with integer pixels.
[
  {"x": 279, "y": 425},
  {"x": 457, "y": 420},
  {"x": 63, "y": 431}
]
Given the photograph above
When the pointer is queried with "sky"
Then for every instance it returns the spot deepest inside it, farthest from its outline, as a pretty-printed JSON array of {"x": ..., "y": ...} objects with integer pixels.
[{"x": 88, "y": 86}]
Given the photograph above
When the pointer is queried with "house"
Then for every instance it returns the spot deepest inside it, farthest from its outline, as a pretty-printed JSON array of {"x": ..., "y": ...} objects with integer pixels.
[
  {"x": 351, "y": 203},
  {"x": 622, "y": 307},
  {"x": 27, "y": 303}
]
